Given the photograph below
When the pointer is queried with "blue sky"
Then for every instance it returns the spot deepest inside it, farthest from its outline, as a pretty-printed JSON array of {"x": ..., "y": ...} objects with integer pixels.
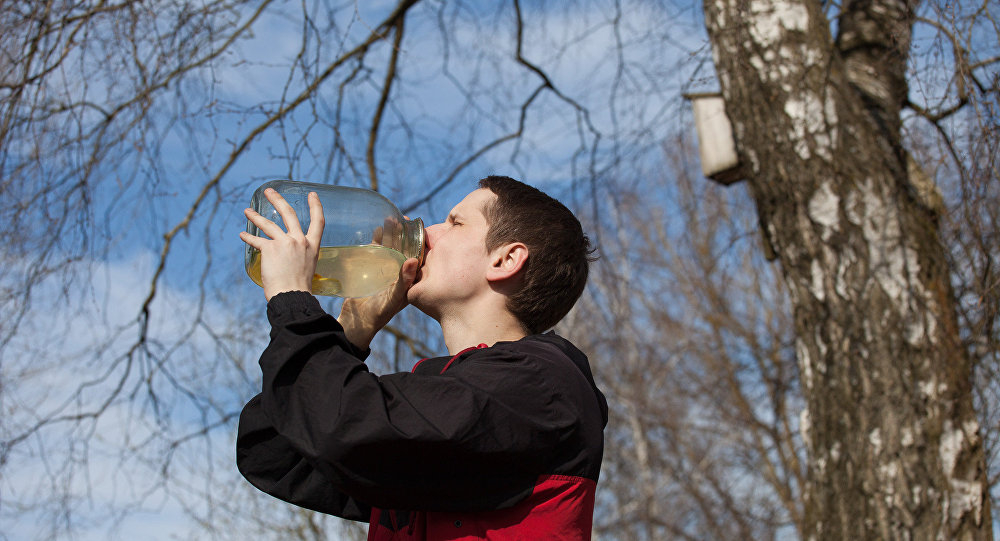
[
  {"x": 443, "y": 110},
  {"x": 174, "y": 386}
]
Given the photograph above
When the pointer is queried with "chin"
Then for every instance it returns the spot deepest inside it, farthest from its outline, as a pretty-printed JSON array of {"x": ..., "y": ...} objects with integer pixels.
[
  {"x": 418, "y": 299},
  {"x": 413, "y": 294},
  {"x": 427, "y": 310}
]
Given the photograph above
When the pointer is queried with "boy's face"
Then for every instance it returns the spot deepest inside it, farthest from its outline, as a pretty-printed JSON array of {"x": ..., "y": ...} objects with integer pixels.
[{"x": 456, "y": 262}]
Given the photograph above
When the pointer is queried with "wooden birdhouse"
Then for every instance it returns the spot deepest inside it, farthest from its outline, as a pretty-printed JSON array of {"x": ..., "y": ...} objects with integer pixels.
[{"x": 719, "y": 160}]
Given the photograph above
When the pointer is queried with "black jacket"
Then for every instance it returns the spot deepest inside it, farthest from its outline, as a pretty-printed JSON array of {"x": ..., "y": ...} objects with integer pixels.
[{"x": 471, "y": 432}]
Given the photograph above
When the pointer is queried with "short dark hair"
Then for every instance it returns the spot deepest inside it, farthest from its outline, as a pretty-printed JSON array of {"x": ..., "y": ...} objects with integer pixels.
[{"x": 555, "y": 273}]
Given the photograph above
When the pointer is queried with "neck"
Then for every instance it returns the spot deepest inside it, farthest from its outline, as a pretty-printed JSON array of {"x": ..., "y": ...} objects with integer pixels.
[{"x": 462, "y": 331}]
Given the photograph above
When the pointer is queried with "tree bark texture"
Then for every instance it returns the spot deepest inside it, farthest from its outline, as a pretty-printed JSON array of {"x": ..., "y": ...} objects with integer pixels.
[{"x": 894, "y": 447}]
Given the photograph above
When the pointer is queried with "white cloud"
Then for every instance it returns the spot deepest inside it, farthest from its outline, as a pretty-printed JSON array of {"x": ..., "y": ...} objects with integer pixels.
[{"x": 106, "y": 461}]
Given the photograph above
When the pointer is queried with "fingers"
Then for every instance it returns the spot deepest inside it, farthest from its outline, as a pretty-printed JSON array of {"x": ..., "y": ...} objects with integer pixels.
[
  {"x": 253, "y": 240},
  {"x": 317, "y": 220},
  {"x": 395, "y": 296},
  {"x": 286, "y": 211},
  {"x": 266, "y": 226},
  {"x": 290, "y": 218},
  {"x": 388, "y": 234},
  {"x": 407, "y": 274}
]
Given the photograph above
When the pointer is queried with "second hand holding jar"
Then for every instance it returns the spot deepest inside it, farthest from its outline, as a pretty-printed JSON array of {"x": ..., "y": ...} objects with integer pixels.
[{"x": 364, "y": 244}]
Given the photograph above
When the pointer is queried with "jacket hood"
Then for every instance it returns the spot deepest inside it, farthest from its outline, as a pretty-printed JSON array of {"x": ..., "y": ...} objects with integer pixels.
[{"x": 579, "y": 359}]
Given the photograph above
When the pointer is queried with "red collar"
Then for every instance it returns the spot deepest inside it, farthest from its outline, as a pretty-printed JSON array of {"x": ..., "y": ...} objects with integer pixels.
[{"x": 480, "y": 346}]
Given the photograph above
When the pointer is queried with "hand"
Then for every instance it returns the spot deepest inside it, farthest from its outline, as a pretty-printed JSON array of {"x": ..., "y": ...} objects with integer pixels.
[
  {"x": 389, "y": 234},
  {"x": 287, "y": 260},
  {"x": 363, "y": 318}
]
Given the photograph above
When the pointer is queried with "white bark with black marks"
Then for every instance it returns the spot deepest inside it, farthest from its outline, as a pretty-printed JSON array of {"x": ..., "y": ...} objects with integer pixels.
[{"x": 893, "y": 442}]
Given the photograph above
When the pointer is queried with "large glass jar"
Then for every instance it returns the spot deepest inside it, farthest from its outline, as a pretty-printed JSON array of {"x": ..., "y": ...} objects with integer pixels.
[{"x": 365, "y": 241}]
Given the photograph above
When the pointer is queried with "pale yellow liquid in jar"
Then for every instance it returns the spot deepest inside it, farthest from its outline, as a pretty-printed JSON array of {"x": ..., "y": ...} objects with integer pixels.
[{"x": 347, "y": 271}]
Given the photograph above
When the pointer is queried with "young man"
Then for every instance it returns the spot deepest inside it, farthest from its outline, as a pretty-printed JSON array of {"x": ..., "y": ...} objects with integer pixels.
[{"x": 501, "y": 439}]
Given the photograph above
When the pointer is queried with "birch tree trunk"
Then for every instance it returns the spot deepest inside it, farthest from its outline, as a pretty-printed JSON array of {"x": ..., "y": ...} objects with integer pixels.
[{"x": 893, "y": 442}]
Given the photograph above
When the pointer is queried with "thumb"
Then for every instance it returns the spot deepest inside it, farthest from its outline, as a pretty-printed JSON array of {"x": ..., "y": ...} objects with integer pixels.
[{"x": 408, "y": 273}]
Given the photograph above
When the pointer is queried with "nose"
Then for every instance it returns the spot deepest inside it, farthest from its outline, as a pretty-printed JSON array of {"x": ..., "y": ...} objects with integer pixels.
[{"x": 431, "y": 234}]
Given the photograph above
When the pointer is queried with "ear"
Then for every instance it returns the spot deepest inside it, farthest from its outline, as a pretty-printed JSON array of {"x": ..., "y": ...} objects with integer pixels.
[{"x": 506, "y": 261}]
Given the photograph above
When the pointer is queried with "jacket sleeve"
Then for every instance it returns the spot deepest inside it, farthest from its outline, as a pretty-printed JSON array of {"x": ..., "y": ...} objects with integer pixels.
[
  {"x": 270, "y": 463},
  {"x": 463, "y": 441}
]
